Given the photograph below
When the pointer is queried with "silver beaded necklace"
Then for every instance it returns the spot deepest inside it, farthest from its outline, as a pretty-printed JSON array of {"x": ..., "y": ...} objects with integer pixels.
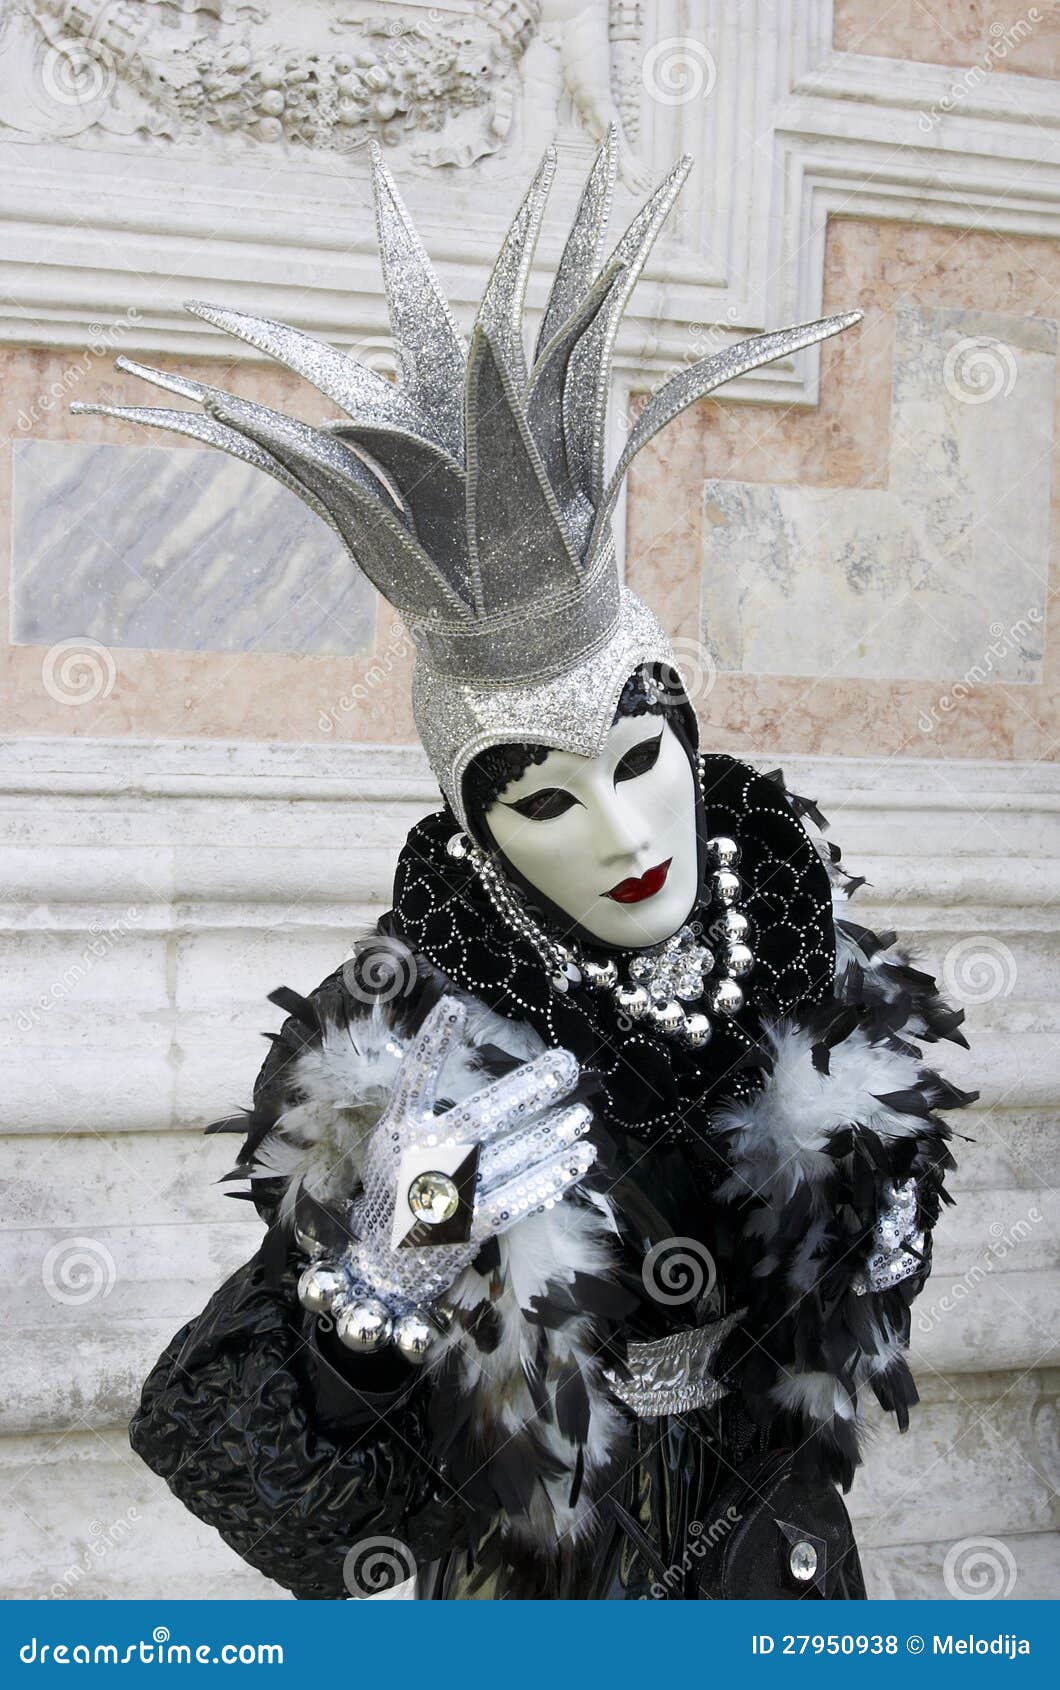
[{"x": 677, "y": 986}]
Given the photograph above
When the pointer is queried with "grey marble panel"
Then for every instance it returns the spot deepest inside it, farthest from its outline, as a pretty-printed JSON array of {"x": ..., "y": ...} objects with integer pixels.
[
  {"x": 178, "y": 549},
  {"x": 942, "y": 574}
]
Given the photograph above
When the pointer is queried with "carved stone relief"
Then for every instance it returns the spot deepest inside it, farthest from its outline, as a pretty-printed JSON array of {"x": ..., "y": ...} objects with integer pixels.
[{"x": 443, "y": 81}]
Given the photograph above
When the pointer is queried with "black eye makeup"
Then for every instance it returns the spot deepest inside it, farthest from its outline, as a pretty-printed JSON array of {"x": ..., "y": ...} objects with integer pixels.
[
  {"x": 639, "y": 759},
  {"x": 543, "y": 806}
]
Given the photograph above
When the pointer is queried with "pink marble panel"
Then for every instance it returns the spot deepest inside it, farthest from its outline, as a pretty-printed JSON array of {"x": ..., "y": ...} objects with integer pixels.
[
  {"x": 844, "y": 443},
  {"x": 1006, "y": 35},
  {"x": 82, "y": 690}
]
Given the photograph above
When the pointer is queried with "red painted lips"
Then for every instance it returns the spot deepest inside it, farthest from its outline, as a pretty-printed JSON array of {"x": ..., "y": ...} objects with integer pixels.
[{"x": 634, "y": 890}]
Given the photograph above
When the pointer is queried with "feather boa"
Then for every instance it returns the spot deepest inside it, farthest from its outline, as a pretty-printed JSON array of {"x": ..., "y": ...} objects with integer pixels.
[{"x": 846, "y": 1104}]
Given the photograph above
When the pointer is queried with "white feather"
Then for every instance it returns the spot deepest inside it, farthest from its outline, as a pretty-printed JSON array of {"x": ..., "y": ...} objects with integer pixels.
[
  {"x": 540, "y": 1251},
  {"x": 819, "y": 1396},
  {"x": 887, "y": 1348},
  {"x": 780, "y": 1135}
]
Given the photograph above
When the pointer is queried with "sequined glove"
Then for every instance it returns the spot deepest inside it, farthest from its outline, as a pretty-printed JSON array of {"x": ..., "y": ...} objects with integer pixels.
[
  {"x": 435, "y": 1187},
  {"x": 897, "y": 1245}
]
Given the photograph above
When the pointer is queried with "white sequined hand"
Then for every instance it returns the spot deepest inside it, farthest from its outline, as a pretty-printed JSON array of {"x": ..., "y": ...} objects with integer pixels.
[{"x": 531, "y": 1150}]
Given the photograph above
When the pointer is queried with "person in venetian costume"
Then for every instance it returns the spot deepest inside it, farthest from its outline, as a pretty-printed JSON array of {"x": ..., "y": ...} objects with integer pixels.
[{"x": 600, "y": 1179}]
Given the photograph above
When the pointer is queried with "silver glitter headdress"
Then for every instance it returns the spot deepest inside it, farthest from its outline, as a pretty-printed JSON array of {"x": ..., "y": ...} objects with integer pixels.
[{"x": 474, "y": 492}]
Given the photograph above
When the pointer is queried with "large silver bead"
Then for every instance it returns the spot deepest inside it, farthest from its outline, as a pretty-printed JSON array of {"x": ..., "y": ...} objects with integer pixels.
[
  {"x": 601, "y": 974},
  {"x": 668, "y": 1017},
  {"x": 725, "y": 851},
  {"x": 734, "y": 924},
  {"x": 697, "y": 1030},
  {"x": 633, "y": 1001},
  {"x": 726, "y": 886},
  {"x": 457, "y": 846},
  {"x": 364, "y": 1327},
  {"x": 321, "y": 1287},
  {"x": 726, "y": 997},
  {"x": 413, "y": 1335},
  {"x": 739, "y": 960}
]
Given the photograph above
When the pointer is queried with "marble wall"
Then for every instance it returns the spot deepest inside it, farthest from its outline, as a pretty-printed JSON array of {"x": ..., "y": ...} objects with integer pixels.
[
  {"x": 174, "y": 551},
  {"x": 1023, "y": 39},
  {"x": 872, "y": 577},
  {"x": 164, "y": 589},
  {"x": 908, "y": 580},
  {"x": 866, "y": 576}
]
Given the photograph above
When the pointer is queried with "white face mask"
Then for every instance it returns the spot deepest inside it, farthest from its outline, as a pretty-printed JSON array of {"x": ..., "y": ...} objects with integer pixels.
[{"x": 610, "y": 840}]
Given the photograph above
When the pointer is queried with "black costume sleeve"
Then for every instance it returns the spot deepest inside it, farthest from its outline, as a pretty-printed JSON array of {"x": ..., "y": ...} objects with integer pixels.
[{"x": 258, "y": 1431}]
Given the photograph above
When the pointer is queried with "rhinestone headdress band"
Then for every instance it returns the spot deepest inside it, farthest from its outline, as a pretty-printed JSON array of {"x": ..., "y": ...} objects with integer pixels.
[{"x": 474, "y": 492}]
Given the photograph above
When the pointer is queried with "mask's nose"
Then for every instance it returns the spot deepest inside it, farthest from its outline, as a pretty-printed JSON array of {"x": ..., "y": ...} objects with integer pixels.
[{"x": 621, "y": 829}]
